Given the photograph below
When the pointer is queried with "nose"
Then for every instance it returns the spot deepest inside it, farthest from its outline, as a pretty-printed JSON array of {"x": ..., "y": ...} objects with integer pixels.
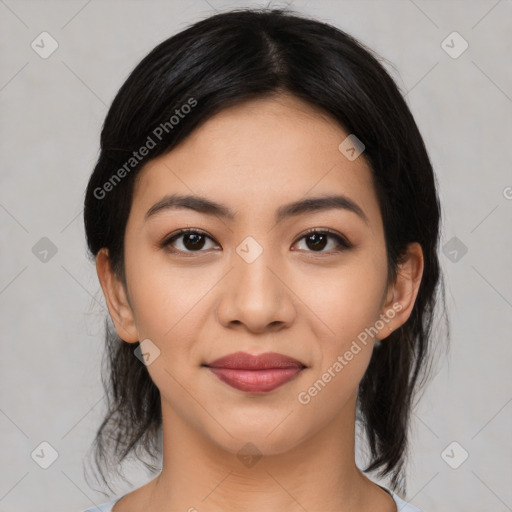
[{"x": 256, "y": 295}]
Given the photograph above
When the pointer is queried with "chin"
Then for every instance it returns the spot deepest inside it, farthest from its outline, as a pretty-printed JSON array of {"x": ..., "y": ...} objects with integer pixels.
[{"x": 248, "y": 440}]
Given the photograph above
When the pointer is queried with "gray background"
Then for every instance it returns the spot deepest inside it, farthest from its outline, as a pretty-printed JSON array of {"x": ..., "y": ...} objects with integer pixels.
[{"x": 51, "y": 306}]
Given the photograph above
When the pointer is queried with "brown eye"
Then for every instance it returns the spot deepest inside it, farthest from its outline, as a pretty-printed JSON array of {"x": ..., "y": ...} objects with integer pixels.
[
  {"x": 317, "y": 240},
  {"x": 193, "y": 241},
  {"x": 190, "y": 240}
]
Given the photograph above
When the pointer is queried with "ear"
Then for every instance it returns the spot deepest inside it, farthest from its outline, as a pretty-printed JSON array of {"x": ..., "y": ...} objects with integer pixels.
[
  {"x": 116, "y": 298},
  {"x": 401, "y": 294}
]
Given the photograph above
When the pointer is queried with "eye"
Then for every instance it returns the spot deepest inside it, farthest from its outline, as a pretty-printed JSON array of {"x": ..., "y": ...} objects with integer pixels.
[
  {"x": 193, "y": 241},
  {"x": 317, "y": 239}
]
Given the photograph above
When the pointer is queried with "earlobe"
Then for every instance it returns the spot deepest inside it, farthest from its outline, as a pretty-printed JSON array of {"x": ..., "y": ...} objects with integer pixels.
[
  {"x": 116, "y": 299},
  {"x": 403, "y": 292}
]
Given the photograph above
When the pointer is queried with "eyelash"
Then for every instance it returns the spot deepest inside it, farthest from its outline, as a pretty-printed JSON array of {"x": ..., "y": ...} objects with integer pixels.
[{"x": 342, "y": 241}]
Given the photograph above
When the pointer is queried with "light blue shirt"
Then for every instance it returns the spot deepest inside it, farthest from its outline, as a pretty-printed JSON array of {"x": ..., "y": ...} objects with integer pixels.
[{"x": 401, "y": 505}]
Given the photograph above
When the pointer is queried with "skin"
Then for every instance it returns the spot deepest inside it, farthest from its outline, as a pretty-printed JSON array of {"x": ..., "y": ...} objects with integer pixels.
[{"x": 303, "y": 302}]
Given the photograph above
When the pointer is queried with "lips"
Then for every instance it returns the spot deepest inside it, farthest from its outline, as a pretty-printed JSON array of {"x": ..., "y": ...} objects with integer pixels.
[{"x": 259, "y": 374}]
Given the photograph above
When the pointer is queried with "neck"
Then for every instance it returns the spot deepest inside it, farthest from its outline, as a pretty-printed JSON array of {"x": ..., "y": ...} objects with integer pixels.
[{"x": 317, "y": 474}]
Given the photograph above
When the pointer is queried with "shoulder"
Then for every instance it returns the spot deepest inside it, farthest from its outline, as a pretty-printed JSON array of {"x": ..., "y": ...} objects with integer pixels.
[
  {"x": 403, "y": 506},
  {"x": 104, "y": 507}
]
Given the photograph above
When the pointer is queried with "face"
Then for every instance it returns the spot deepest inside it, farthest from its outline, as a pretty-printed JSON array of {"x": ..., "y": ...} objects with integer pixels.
[{"x": 256, "y": 281}]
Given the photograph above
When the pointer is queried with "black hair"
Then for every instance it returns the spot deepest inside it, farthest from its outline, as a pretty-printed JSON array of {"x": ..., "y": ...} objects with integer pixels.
[{"x": 221, "y": 61}]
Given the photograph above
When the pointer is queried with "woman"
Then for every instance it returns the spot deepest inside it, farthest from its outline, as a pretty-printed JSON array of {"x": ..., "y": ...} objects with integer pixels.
[{"x": 264, "y": 220}]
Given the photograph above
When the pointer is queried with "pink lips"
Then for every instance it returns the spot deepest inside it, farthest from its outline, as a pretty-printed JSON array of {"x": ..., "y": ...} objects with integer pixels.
[{"x": 261, "y": 373}]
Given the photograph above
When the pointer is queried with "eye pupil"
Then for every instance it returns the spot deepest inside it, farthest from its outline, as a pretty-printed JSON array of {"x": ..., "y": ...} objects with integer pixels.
[
  {"x": 193, "y": 238},
  {"x": 317, "y": 243}
]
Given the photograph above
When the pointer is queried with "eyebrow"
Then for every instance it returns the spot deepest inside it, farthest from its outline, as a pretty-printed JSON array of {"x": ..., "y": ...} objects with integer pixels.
[{"x": 209, "y": 207}]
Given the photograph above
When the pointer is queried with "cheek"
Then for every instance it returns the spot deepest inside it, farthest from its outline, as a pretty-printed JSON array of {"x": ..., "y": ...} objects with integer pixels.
[
  {"x": 349, "y": 303},
  {"x": 168, "y": 300},
  {"x": 347, "y": 299}
]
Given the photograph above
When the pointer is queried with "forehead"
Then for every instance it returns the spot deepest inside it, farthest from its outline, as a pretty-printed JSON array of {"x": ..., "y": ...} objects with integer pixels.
[{"x": 260, "y": 153}]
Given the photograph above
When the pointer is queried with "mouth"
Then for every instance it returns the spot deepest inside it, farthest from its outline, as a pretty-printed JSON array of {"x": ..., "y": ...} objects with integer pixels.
[{"x": 257, "y": 374}]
